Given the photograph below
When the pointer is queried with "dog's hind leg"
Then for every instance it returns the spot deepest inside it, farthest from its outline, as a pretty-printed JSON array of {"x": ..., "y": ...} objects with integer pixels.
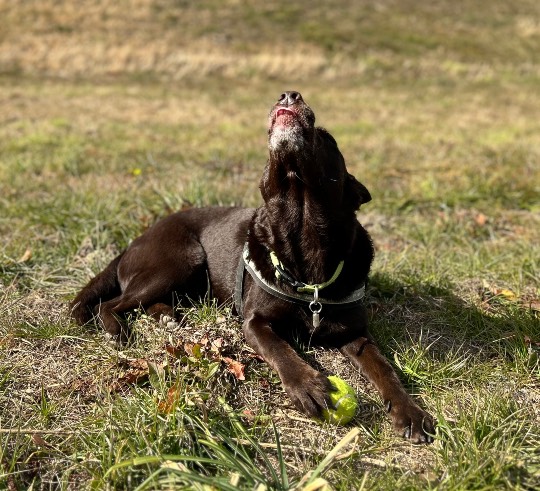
[
  {"x": 152, "y": 280},
  {"x": 101, "y": 288},
  {"x": 111, "y": 318},
  {"x": 160, "y": 310},
  {"x": 111, "y": 314},
  {"x": 145, "y": 291},
  {"x": 165, "y": 314}
]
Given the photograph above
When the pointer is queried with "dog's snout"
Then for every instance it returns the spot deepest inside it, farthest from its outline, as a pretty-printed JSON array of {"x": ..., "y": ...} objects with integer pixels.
[{"x": 289, "y": 98}]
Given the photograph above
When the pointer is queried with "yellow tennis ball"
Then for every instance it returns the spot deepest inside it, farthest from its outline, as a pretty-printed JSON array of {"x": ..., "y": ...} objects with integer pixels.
[{"x": 344, "y": 400}]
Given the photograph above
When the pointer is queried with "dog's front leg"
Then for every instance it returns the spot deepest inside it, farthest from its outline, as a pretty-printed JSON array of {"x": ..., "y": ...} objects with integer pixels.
[
  {"x": 408, "y": 419},
  {"x": 307, "y": 388}
]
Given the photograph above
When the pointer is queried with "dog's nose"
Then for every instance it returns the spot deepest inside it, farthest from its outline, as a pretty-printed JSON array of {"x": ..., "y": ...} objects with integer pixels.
[{"x": 289, "y": 98}]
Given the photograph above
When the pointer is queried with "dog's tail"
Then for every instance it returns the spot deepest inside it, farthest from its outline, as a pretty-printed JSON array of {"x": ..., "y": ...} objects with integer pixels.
[{"x": 101, "y": 288}]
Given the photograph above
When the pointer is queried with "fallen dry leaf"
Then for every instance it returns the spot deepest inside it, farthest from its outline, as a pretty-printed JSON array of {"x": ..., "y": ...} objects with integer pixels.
[
  {"x": 490, "y": 291},
  {"x": 264, "y": 383},
  {"x": 26, "y": 256},
  {"x": 175, "y": 351},
  {"x": 235, "y": 367},
  {"x": 481, "y": 219},
  {"x": 193, "y": 349},
  {"x": 530, "y": 342},
  {"x": 6, "y": 341},
  {"x": 173, "y": 396},
  {"x": 38, "y": 440},
  {"x": 248, "y": 414},
  {"x": 534, "y": 305},
  {"x": 216, "y": 345},
  {"x": 85, "y": 386},
  {"x": 137, "y": 371}
]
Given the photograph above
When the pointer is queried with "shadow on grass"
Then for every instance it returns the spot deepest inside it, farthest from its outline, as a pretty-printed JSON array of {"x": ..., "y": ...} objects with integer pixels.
[
  {"x": 416, "y": 315},
  {"x": 474, "y": 365}
]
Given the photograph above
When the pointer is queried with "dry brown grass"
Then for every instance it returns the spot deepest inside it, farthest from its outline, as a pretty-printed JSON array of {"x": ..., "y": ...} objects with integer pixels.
[{"x": 177, "y": 41}]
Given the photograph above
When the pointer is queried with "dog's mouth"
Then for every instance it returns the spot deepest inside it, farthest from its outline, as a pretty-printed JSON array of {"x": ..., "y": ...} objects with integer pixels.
[
  {"x": 283, "y": 111},
  {"x": 290, "y": 124},
  {"x": 284, "y": 117}
]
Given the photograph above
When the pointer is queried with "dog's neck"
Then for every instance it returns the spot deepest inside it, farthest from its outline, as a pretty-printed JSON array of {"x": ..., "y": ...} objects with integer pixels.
[{"x": 308, "y": 232}]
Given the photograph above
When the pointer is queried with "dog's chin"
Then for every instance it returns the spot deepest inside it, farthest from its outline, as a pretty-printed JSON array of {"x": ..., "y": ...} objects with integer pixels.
[{"x": 286, "y": 140}]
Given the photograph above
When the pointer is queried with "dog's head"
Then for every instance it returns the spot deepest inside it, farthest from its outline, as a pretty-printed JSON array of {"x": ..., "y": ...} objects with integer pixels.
[
  {"x": 310, "y": 154},
  {"x": 291, "y": 125}
]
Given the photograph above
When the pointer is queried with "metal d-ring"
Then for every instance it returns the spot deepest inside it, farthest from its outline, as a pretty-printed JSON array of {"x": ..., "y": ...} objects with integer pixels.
[{"x": 315, "y": 306}]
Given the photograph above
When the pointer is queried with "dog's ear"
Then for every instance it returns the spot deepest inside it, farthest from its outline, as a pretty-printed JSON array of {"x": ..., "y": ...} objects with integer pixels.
[{"x": 356, "y": 193}]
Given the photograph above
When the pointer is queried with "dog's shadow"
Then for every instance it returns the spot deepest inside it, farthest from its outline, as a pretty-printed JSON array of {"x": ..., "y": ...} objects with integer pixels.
[{"x": 435, "y": 319}]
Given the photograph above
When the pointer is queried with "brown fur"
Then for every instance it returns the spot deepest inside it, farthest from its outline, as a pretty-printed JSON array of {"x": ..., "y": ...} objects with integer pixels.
[{"x": 309, "y": 220}]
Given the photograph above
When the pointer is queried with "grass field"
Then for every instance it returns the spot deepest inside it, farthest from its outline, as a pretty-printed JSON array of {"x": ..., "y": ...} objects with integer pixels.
[{"x": 116, "y": 114}]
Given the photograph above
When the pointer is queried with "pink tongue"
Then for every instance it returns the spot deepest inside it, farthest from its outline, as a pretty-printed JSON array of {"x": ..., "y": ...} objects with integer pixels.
[{"x": 285, "y": 118}]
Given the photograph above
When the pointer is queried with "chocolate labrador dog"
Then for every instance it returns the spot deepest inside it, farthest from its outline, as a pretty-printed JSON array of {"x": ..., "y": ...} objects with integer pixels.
[{"x": 298, "y": 263}]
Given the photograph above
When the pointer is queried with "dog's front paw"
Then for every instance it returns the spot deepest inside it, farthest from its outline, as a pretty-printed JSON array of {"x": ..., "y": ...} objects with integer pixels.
[
  {"x": 308, "y": 390},
  {"x": 411, "y": 422}
]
